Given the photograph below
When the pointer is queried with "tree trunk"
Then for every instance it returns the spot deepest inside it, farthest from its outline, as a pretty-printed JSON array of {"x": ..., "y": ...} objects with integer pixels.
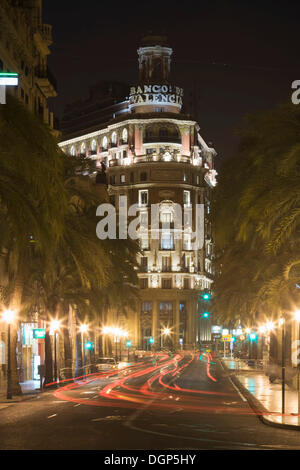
[
  {"x": 68, "y": 354},
  {"x": 48, "y": 357},
  {"x": 15, "y": 305},
  {"x": 78, "y": 363}
]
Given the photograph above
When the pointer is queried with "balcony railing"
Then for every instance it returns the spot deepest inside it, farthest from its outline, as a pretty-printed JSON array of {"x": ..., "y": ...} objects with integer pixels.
[
  {"x": 150, "y": 139},
  {"x": 45, "y": 72}
]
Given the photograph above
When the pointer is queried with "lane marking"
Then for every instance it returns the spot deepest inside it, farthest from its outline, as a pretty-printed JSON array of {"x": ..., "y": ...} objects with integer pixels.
[
  {"x": 238, "y": 391},
  {"x": 52, "y": 416}
]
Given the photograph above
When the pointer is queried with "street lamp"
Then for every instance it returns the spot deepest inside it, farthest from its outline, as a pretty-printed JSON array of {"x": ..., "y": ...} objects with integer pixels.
[
  {"x": 83, "y": 329},
  {"x": 297, "y": 318},
  {"x": 54, "y": 327},
  {"x": 8, "y": 316}
]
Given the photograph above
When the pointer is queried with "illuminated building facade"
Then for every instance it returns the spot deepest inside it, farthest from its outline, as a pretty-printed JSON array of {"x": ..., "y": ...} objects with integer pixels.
[{"x": 154, "y": 154}]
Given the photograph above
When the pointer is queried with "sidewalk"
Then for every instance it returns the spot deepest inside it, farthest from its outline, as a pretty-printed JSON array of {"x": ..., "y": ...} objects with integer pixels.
[
  {"x": 263, "y": 396},
  {"x": 30, "y": 389}
]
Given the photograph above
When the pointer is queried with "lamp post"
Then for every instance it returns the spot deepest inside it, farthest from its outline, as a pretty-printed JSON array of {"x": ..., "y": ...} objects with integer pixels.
[
  {"x": 54, "y": 326},
  {"x": 297, "y": 318},
  {"x": 8, "y": 317},
  {"x": 83, "y": 329},
  {"x": 166, "y": 333},
  {"x": 282, "y": 324}
]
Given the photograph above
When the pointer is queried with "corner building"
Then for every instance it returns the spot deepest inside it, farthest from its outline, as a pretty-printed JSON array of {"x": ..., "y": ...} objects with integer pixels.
[{"x": 154, "y": 154}]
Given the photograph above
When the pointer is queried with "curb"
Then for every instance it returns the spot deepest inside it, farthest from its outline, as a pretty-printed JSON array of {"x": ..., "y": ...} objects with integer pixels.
[{"x": 255, "y": 404}]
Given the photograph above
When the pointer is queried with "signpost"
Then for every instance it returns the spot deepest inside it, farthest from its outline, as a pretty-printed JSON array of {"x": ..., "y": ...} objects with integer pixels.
[{"x": 7, "y": 79}]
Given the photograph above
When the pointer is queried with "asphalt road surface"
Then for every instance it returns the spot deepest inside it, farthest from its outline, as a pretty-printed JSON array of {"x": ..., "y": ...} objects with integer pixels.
[{"x": 182, "y": 402}]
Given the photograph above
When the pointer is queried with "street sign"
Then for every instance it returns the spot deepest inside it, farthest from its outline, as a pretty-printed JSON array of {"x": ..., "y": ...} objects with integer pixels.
[
  {"x": 216, "y": 335},
  {"x": 7, "y": 79},
  {"x": 226, "y": 337},
  {"x": 39, "y": 333},
  {"x": 128, "y": 344}
]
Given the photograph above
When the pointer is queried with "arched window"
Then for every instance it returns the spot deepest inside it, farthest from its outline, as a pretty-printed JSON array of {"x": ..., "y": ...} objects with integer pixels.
[
  {"x": 94, "y": 145},
  {"x": 125, "y": 135},
  {"x": 104, "y": 142},
  {"x": 114, "y": 138},
  {"x": 82, "y": 148},
  {"x": 72, "y": 151}
]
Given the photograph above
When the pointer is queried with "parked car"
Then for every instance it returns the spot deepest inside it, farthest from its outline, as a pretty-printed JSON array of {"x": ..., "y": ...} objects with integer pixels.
[{"x": 106, "y": 363}]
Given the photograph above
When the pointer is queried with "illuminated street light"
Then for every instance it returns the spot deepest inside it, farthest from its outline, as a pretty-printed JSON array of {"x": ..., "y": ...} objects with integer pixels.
[
  {"x": 270, "y": 326},
  {"x": 54, "y": 327},
  {"x": 248, "y": 330},
  {"x": 8, "y": 316},
  {"x": 262, "y": 329},
  {"x": 166, "y": 331}
]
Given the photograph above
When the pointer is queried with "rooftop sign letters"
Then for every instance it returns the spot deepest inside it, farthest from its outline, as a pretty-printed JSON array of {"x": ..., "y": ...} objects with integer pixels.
[{"x": 156, "y": 94}]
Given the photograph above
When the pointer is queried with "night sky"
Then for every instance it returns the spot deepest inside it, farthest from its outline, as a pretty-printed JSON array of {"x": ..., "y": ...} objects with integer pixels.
[{"x": 241, "y": 56}]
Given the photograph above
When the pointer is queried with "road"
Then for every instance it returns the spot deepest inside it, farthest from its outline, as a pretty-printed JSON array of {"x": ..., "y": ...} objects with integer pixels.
[{"x": 182, "y": 402}]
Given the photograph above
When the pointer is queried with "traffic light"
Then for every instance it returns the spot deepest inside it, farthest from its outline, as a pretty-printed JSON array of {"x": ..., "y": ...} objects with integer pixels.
[
  {"x": 128, "y": 344},
  {"x": 89, "y": 345},
  {"x": 151, "y": 340},
  {"x": 205, "y": 314}
]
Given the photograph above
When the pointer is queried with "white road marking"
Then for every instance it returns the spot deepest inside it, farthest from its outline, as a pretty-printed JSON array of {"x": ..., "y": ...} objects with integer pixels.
[
  {"x": 52, "y": 416},
  {"x": 78, "y": 404},
  {"x": 240, "y": 393}
]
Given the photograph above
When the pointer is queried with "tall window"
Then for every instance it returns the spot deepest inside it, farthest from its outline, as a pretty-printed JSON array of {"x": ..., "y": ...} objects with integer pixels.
[
  {"x": 166, "y": 263},
  {"x": 166, "y": 240},
  {"x": 143, "y": 176},
  {"x": 166, "y": 217},
  {"x": 186, "y": 198},
  {"x": 166, "y": 283},
  {"x": 94, "y": 145},
  {"x": 72, "y": 151},
  {"x": 104, "y": 142},
  {"x": 123, "y": 179},
  {"x": 82, "y": 148},
  {"x": 114, "y": 137},
  {"x": 125, "y": 135},
  {"x": 143, "y": 197}
]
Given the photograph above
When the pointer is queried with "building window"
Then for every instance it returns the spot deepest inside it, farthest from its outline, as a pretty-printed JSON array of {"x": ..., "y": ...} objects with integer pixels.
[
  {"x": 187, "y": 241},
  {"x": 94, "y": 145},
  {"x": 146, "y": 307},
  {"x": 143, "y": 197},
  {"x": 124, "y": 153},
  {"x": 112, "y": 200},
  {"x": 72, "y": 152},
  {"x": 104, "y": 142},
  {"x": 143, "y": 176},
  {"x": 125, "y": 135},
  {"x": 187, "y": 198},
  {"x": 144, "y": 264},
  {"x": 123, "y": 179},
  {"x": 144, "y": 283},
  {"x": 112, "y": 179},
  {"x": 82, "y": 148},
  {"x": 131, "y": 177},
  {"x": 166, "y": 283},
  {"x": 166, "y": 264},
  {"x": 149, "y": 151},
  {"x": 114, "y": 138},
  {"x": 198, "y": 179},
  {"x": 186, "y": 283},
  {"x": 144, "y": 243},
  {"x": 166, "y": 240},
  {"x": 166, "y": 217}
]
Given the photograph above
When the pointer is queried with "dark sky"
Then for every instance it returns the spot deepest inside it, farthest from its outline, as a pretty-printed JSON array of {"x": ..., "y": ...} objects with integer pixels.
[{"x": 242, "y": 56}]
